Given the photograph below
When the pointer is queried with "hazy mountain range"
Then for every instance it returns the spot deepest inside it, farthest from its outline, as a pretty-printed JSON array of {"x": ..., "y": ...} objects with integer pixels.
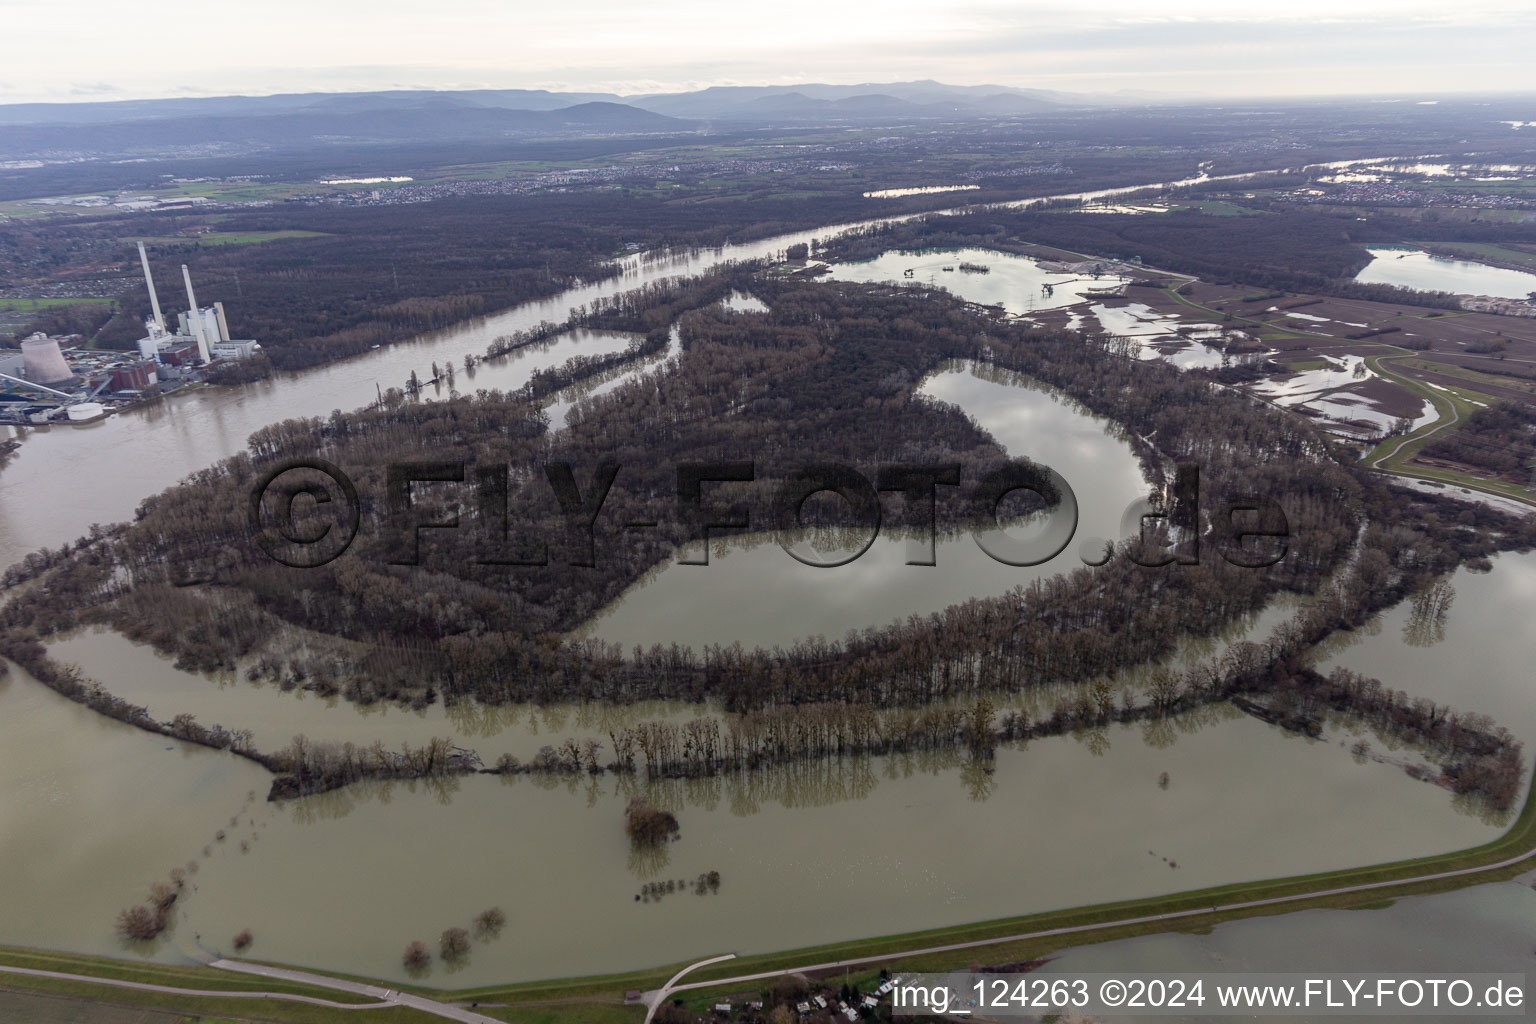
[
  {"x": 140, "y": 129},
  {"x": 746, "y": 103}
]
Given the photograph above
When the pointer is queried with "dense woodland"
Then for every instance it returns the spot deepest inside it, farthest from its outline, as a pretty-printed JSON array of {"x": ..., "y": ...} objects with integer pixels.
[{"x": 1499, "y": 441}]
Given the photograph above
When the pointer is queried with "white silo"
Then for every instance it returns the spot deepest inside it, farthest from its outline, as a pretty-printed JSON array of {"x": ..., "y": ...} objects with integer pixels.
[{"x": 43, "y": 361}]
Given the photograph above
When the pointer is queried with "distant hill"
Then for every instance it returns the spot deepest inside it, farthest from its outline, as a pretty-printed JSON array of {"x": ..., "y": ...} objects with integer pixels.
[
  {"x": 256, "y": 106},
  {"x": 229, "y": 125},
  {"x": 896, "y": 99},
  {"x": 715, "y": 102},
  {"x": 340, "y": 120}
]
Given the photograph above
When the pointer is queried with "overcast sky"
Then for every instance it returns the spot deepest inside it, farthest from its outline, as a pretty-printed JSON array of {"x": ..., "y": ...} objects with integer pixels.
[{"x": 113, "y": 49}]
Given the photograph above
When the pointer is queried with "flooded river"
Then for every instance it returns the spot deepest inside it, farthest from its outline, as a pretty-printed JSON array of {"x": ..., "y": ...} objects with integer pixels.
[
  {"x": 94, "y": 811},
  {"x": 834, "y": 850},
  {"x": 1488, "y": 929},
  {"x": 837, "y": 849},
  {"x": 1477, "y": 657}
]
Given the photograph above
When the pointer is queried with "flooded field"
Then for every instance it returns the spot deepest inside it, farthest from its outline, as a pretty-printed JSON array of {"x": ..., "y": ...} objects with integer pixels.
[
  {"x": 1019, "y": 284},
  {"x": 1023, "y": 285},
  {"x": 919, "y": 190},
  {"x": 1163, "y": 335},
  {"x": 1349, "y": 396},
  {"x": 344, "y": 880}
]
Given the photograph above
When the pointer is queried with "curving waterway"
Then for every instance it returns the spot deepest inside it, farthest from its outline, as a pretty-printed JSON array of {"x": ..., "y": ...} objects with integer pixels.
[{"x": 93, "y": 811}]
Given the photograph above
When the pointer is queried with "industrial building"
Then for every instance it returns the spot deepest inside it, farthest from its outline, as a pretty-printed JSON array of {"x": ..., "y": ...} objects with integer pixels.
[
  {"x": 97, "y": 382},
  {"x": 132, "y": 377},
  {"x": 38, "y": 384},
  {"x": 43, "y": 361},
  {"x": 203, "y": 329}
]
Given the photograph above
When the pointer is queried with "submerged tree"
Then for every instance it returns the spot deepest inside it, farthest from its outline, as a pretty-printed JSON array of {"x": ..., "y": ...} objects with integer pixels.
[
  {"x": 140, "y": 923},
  {"x": 417, "y": 956},
  {"x": 454, "y": 944},
  {"x": 489, "y": 922},
  {"x": 647, "y": 825},
  {"x": 1427, "y": 614}
]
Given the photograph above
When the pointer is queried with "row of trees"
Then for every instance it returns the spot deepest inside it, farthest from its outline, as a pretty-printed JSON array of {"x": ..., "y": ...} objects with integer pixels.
[{"x": 453, "y": 945}]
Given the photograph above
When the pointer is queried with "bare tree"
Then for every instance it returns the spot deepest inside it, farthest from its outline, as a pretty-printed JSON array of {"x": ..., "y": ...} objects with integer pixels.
[
  {"x": 489, "y": 922},
  {"x": 140, "y": 923},
  {"x": 647, "y": 825},
  {"x": 454, "y": 944}
]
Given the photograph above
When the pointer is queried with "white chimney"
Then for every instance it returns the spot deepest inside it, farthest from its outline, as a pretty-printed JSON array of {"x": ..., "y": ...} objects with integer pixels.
[
  {"x": 154, "y": 300},
  {"x": 195, "y": 318}
]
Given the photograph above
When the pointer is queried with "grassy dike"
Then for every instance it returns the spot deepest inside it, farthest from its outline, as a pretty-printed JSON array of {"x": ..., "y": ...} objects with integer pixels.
[
  {"x": 76, "y": 998},
  {"x": 599, "y": 999}
]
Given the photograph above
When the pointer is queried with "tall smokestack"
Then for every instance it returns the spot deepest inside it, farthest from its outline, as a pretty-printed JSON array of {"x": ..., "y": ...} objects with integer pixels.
[
  {"x": 186, "y": 275},
  {"x": 195, "y": 318},
  {"x": 154, "y": 300},
  {"x": 218, "y": 309}
]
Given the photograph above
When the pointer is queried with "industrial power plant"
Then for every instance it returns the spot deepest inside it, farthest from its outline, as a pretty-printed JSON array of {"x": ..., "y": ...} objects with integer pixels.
[
  {"x": 202, "y": 334},
  {"x": 50, "y": 380}
]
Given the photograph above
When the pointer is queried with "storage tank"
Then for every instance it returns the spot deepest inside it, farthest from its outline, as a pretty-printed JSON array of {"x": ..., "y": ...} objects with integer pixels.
[
  {"x": 84, "y": 411},
  {"x": 43, "y": 361}
]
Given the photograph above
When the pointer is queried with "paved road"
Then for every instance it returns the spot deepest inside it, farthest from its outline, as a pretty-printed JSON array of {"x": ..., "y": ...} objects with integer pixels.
[
  {"x": 1049, "y": 932},
  {"x": 389, "y": 997},
  {"x": 177, "y": 990},
  {"x": 655, "y": 998},
  {"x": 1444, "y": 424},
  {"x": 383, "y": 997}
]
